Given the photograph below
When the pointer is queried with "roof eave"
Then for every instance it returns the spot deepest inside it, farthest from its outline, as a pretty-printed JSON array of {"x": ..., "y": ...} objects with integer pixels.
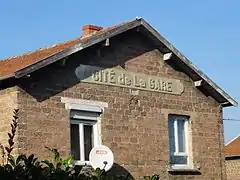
[
  {"x": 113, "y": 32},
  {"x": 79, "y": 46},
  {"x": 6, "y": 77},
  {"x": 232, "y": 157},
  {"x": 229, "y": 101},
  {"x": 231, "y": 141},
  {"x": 228, "y": 104}
]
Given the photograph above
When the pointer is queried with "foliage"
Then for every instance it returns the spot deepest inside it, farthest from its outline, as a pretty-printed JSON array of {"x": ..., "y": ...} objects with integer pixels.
[
  {"x": 30, "y": 168},
  {"x": 153, "y": 177},
  {"x": 59, "y": 162},
  {"x": 7, "y": 150}
]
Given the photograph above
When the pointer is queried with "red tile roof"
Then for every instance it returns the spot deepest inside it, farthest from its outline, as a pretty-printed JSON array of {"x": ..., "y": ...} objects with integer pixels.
[
  {"x": 10, "y": 65},
  {"x": 233, "y": 148},
  {"x": 22, "y": 65}
]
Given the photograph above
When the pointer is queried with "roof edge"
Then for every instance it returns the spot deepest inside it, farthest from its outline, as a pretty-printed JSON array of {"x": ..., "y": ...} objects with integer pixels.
[
  {"x": 6, "y": 77},
  {"x": 113, "y": 32},
  {"x": 189, "y": 64},
  {"x": 233, "y": 157},
  {"x": 232, "y": 140},
  {"x": 75, "y": 48}
]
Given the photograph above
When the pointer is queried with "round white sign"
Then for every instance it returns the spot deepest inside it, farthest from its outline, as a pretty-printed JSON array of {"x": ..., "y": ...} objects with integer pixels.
[{"x": 101, "y": 157}]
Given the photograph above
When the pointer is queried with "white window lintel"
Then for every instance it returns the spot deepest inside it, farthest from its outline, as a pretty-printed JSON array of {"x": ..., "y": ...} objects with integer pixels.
[{"x": 84, "y": 105}]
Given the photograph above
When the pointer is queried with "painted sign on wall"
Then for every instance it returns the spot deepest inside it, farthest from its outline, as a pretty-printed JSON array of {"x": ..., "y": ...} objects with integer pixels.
[{"x": 115, "y": 77}]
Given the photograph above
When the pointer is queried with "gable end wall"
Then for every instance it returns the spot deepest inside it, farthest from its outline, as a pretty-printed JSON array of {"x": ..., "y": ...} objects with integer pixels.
[{"x": 136, "y": 132}]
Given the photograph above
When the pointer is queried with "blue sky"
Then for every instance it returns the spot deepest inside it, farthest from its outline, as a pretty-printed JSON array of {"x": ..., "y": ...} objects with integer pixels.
[{"x": 206, "y": 31}]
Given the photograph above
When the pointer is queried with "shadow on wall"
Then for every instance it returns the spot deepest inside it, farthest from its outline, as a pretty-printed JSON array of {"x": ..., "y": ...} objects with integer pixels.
[
  {"x": 119, "y": 170},
  {"x": 116, "y": 170},
  {"x": 55, "y": 78},
  {"x": 187, "y": 173}
]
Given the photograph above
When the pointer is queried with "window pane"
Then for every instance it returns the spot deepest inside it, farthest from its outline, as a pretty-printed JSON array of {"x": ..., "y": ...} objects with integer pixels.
[
  {"x": 75, "y": 142},
  {"x": 178, "y": 160},
  {"x": 88, "y": 140},
  {"x": 181, "y": 136},
  {"x": 171, "y": 135}
]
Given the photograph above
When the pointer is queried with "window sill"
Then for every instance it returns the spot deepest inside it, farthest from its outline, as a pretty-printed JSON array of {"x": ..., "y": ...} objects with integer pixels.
[{"x": 192, "y": 170}]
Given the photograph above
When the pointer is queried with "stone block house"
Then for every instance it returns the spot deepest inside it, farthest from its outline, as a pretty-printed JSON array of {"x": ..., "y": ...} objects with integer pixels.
[
  {"x": 232, "y": 153},
  {"x": 125, "y": 87}
]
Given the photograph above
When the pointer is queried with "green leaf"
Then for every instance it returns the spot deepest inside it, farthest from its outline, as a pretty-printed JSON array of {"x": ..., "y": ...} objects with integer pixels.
[
  {"x": 59, "y": 165},
  {"x": 98, "y": 172},
  {"x": 11, "y": 160},
  {"x": 128, "y": 176},
  {"x": 19, "y": 159},
  {"x": 56, "y": 155},
  {"x": 68, "y": 162},
  {"x": 147, "y": 177},
  {"x": 37, "y": 164},
  {"x": 30, "y": 158},
  {"x": 49, "y": 165},
  {"x": 10, "y": 136},
  {"x": 34, "y": 160},
  {"x": 15, "y": 117},
  {"x": 155, "y": 177},
  {"x": 9, "y": 150},
  {"x": 10, "y": 142}
]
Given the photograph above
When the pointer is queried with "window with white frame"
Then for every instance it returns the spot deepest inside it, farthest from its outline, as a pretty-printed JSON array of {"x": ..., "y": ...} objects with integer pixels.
[
  {"x": 84, "y": 133},
  {"x": 178, "y": 141}
]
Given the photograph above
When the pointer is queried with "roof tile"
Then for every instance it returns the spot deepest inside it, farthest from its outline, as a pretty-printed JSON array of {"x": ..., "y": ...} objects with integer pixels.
[
  {"x": 10, "y": 65},
  {"x": 233, "y": 148}
]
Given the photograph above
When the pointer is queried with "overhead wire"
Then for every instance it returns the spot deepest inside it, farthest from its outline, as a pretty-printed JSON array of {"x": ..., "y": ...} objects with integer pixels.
[{"x": 230, "y": 119}]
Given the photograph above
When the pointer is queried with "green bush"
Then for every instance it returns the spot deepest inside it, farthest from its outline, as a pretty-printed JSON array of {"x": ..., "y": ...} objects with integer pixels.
[{"x": 30, "y": 168}]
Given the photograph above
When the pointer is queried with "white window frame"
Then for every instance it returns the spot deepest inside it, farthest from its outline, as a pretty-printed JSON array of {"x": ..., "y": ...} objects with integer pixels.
[
  {"x": 96, "y": 141},
  {"x": 86, "y": 115},
  {"x": 176, "y": 118}
]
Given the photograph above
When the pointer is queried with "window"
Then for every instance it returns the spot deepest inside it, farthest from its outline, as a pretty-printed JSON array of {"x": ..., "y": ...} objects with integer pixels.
[
  {"x": 84, "y": 133},
  {"x": 178, "y": 141}
]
